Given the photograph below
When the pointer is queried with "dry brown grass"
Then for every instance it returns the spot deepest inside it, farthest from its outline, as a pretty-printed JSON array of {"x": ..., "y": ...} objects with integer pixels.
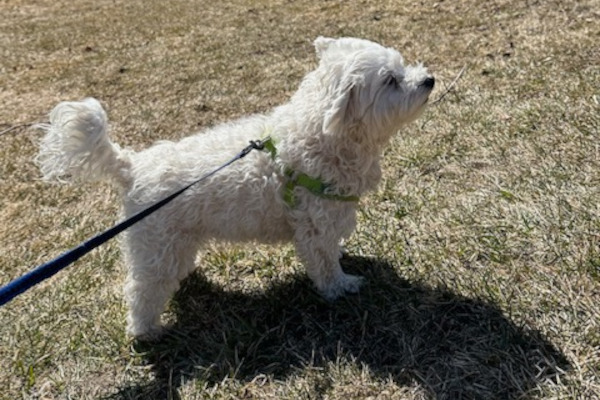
[{"x": 481, "y": 247}]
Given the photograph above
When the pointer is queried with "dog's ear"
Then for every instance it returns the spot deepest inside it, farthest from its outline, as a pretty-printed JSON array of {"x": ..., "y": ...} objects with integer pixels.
[
  {"x": 333, "y": 49},
  {"x": 322, "y": 44},
  {"x": 341, "y": 110}
]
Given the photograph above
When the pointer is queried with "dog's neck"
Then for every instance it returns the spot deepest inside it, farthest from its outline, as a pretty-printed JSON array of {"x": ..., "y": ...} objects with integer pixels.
[
  {"x": 354, "y": 157},
  {"x": 346, "y": 160}
]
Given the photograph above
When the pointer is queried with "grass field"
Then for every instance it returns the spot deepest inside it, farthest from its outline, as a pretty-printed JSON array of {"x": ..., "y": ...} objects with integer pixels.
[{"x": 481, "y": 247}]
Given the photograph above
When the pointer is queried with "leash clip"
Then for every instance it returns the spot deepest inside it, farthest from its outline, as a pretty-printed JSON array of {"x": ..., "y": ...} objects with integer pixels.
[
  {"x": 259, "y": 144},
  {"x": 255, "y": 145}
]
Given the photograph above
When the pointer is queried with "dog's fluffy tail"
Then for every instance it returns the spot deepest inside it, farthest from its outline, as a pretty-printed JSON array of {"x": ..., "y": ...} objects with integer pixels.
[{"x": 76, "y": 146}]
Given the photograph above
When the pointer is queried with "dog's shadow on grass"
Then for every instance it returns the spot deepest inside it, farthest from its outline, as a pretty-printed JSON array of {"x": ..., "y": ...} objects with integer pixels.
[{"x": 451, "y": 346}]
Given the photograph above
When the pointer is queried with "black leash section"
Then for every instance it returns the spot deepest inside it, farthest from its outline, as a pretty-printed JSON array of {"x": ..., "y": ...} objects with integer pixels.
[{"x": 45, "y": 271}]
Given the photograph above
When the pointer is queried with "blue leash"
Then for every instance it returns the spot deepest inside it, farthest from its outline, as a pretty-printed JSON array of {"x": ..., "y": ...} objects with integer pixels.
[{"x": 45, "y": 271}]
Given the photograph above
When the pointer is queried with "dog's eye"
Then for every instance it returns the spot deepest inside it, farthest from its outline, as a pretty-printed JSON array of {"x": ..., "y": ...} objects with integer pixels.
[{"x": 393, "y": 81}]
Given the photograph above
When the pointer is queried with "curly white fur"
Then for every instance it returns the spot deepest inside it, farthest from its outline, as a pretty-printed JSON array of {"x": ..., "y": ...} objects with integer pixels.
[{"x": 333, "y": 128}]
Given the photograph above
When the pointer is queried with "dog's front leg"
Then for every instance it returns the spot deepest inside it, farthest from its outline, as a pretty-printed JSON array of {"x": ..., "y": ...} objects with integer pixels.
[{"x": 318, "y": 248}]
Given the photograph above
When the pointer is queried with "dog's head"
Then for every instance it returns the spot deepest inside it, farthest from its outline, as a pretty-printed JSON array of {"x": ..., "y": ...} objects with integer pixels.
[{"x": 367, "y": 84}]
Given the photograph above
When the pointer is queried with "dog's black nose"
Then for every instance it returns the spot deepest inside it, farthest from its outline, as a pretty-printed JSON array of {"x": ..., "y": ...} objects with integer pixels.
[{"x": 429, "y": 82}]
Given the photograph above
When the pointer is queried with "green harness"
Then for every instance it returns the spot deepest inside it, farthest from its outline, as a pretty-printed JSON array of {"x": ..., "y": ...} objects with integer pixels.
[{"x": 294, "y": 178}]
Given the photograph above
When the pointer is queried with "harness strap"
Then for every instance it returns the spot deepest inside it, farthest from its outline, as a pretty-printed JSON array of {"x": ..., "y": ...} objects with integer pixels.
[{"x": 294, "y": 178}]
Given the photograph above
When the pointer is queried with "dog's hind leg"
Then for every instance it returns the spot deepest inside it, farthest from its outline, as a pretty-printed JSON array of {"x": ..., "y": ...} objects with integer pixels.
[
  {"x": 155, "y": 272},
  {"x": 146, "y": 300}
]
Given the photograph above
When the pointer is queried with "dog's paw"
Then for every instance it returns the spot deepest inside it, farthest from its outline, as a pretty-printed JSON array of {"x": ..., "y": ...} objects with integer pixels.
[
  {"x": 151, "y": 337},
  {"x": 146, "y": 334},
  {"x": 345, "y": 283}
]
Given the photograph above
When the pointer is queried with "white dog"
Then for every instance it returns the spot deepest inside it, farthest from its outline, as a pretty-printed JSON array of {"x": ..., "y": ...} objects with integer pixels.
[{"x": 325, "y": 152}]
